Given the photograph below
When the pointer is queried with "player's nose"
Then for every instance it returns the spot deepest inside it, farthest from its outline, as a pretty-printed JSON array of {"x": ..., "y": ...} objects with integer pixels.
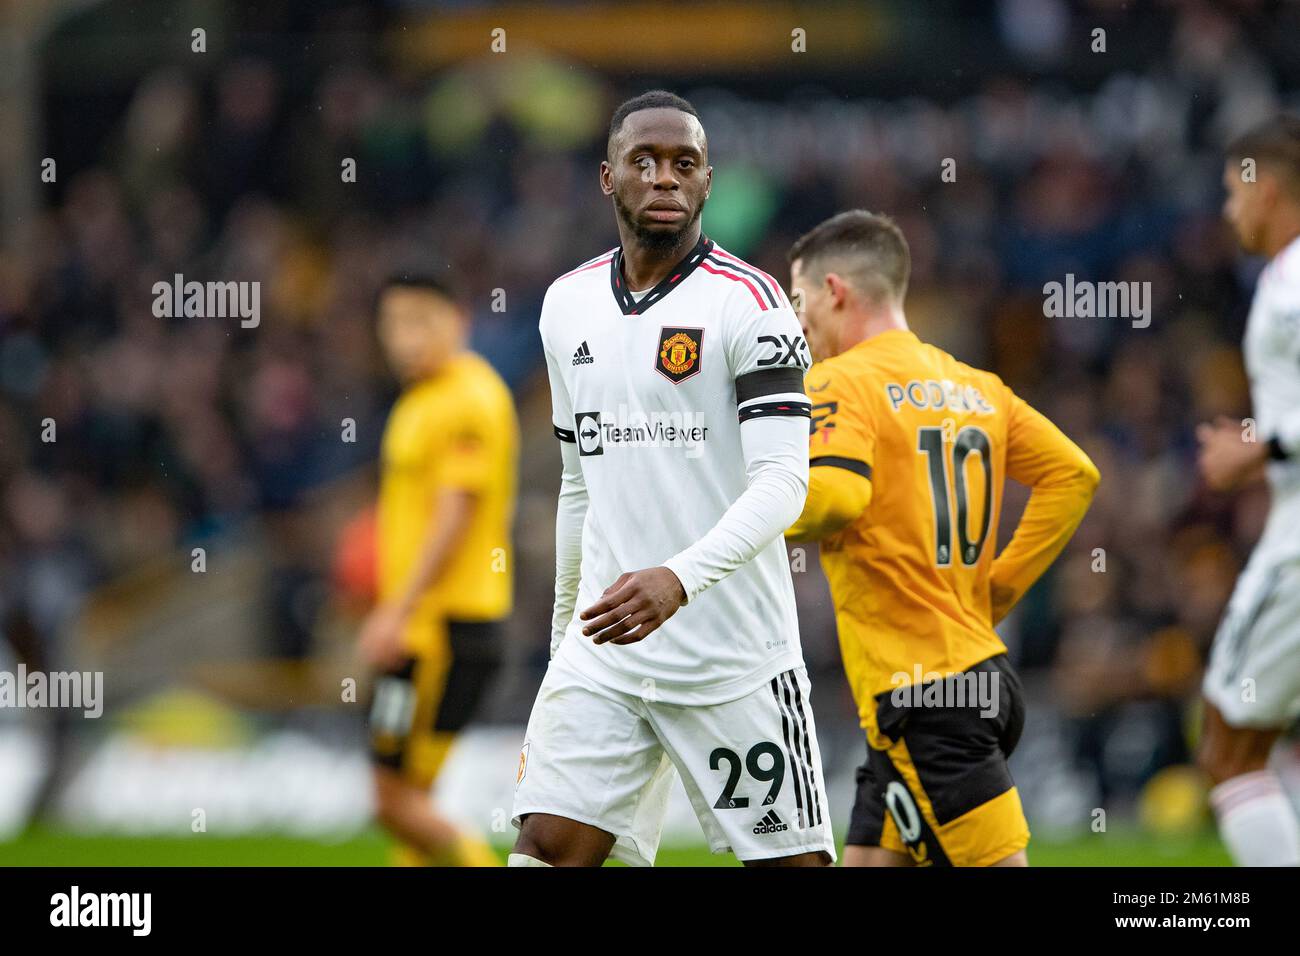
[{"x": 665, "y": 176}]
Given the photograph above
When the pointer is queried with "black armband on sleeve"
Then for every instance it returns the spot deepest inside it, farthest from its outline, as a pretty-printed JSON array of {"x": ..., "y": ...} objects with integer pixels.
[{"x": 768, "y": 381}]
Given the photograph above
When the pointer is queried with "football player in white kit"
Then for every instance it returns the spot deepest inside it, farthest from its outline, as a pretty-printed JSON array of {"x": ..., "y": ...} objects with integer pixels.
[
  {"x": 1252, "y": 684},
  {"x": 676, "y": 373}
]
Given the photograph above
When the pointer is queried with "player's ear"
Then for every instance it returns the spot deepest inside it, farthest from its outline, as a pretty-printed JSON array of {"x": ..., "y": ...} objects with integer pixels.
[
  {"x": 837, "y": 289},
  {"x": 606, "y": 178},
  {"x": 708, "y": 181}
]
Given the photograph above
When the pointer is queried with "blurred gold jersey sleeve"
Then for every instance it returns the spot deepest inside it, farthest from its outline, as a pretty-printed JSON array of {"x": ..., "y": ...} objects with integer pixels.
[
  {"x": 455, "y": 430},
  {"x": 1062, "y": 479},
  {"x": 908, "y": 456}
]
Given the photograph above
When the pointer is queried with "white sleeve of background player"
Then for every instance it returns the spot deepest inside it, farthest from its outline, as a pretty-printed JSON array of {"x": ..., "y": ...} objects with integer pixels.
[
  {"x": 1286, "y": 323},
  {"x": 767, "y": 357},
  {"x": 571, "y": 511}
]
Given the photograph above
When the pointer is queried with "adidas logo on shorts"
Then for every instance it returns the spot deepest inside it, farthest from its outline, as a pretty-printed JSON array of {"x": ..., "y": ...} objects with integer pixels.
[
  {"x": 770, "y": 824},
  {"x": 583, "y": 355}
]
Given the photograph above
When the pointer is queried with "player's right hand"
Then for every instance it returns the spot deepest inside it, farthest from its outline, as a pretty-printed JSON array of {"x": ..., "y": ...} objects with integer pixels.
[{"x": 1226, "y": 458}]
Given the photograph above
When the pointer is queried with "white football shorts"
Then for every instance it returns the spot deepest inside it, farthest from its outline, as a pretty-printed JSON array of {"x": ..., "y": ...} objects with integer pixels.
[
  {"x": 751, "y": 766},
  {"x": 1253, "y": 677}
]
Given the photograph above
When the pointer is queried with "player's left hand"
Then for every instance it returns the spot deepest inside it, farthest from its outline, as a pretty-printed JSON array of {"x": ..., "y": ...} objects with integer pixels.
[
  {"x": 1226, "y": 459},
  {"x": 634, "y": 606},
  {"x": 381, "y": 637}
]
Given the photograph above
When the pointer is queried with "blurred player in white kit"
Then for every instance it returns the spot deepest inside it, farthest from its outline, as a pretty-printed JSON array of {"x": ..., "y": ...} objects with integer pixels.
[{"x": 1252, "y": 684}]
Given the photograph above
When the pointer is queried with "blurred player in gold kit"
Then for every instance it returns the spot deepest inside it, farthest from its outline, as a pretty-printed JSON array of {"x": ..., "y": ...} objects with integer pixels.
[
  {"x": 908, "y": 455},
  {"x": 446, "y": 503}
]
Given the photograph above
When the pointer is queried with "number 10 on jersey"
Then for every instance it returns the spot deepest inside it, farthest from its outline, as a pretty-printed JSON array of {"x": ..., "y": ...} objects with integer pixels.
[{"x": 930, "y": 443}]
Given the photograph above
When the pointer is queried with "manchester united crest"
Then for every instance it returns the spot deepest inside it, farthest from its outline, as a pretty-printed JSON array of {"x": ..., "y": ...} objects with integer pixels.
[{"x": 679, "y": 353}]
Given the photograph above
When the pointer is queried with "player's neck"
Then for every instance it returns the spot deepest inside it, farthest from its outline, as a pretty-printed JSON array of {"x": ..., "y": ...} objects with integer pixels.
[
  {"x": 435, "y": 369},
  {"x": 645, "y": 267},
  {"x": 1285, "y": 231},
  {"x": 867, "y": 324}
]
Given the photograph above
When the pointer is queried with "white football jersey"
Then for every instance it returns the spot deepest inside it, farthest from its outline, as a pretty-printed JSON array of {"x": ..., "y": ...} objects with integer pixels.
[
  {"x": 1272, "y": 355},
  {"x": 655, "y": 390}
]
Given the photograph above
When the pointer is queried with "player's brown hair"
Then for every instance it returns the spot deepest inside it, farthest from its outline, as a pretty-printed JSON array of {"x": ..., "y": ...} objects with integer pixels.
[
  {"x": 1275, "y": 143},
  {"x": 867, "y": 248}
]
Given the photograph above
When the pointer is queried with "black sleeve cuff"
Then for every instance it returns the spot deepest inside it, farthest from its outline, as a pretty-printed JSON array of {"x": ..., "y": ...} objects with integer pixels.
[{"x": 1275, "y": 450}]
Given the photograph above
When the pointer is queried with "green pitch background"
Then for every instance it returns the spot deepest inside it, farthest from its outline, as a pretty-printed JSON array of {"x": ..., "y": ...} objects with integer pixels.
[{"x": 41, "y": 846}]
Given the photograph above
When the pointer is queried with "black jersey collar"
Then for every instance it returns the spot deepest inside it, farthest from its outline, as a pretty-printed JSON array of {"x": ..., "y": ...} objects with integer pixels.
[{"x": 623, "y": 296}]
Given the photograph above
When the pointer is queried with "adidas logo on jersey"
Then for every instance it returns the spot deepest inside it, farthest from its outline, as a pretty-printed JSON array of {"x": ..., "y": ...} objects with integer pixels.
[
  {"x": 771, "y": 823},
  {"x": 583, "y": 355}
]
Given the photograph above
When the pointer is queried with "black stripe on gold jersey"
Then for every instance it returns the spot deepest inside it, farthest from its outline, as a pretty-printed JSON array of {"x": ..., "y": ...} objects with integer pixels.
[{"x": 839, "y": 461}]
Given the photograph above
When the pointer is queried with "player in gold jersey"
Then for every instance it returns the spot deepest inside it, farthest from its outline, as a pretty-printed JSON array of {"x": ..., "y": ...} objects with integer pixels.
[
  {"x": 908, "y": 455},
  {"x": 446, "y": 503}
]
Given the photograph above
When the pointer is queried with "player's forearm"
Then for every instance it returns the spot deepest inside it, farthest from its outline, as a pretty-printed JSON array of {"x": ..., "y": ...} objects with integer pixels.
[
  {"x": 776, "y": 456},
  {"x": 447, "y": 527},
  {"x": 836, "y": 497},
  {"x": 570, "y": 513},
  {"x": 1050, "y": 519}
]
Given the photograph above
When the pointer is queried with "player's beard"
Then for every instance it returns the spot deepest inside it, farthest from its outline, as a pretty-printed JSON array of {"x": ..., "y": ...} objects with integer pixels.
[{"x": 655, "y": 240}]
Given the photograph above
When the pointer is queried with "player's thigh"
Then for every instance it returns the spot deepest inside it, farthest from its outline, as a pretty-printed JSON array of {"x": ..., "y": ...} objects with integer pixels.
[
  {"x": 1226, "y": 751},
  {"x": 873, "y": 856},
  {"x": 941, "y": 770},
  {"x": 1019, "y": 858},
  {"x": 1253, "y": 676},
  {"x": 752, "y": 769},
  {"x": 872, "y": 838},
  {"x": 403, "y": 711},
  {"x": 591, "y": 757},
  {"x": 559, "y": 841}
]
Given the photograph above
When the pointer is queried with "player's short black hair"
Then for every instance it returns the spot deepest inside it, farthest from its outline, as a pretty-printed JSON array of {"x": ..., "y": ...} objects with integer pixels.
[
  {"x": 1275, "y": 141},
  {"x": 868, "y": 248},
  {"x": 649, "y": 100},
  {"x": 420, "y": 281}
]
